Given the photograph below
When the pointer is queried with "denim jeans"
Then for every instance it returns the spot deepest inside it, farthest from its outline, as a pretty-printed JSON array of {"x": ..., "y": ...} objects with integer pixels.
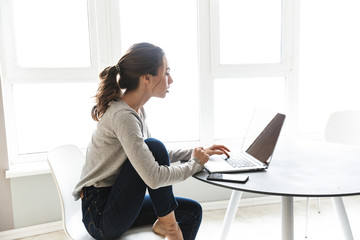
[{"x": 110, "y": 211}]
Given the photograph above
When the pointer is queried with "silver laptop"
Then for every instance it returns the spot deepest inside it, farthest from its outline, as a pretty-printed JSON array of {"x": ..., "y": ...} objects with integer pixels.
[{"x": 257, "y": 148}]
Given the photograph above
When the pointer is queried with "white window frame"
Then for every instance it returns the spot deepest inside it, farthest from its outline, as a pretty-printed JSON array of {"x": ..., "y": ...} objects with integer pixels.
[
  {"x": 105, "y": 50},
  {"x": 15, "y": 74},
  {"x": 210, "y": 67},
  {"x": 100, "y": 56},
  {"x": 252, "y": 70}
]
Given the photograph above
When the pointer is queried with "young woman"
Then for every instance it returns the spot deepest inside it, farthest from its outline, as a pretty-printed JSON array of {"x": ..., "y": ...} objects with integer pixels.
[{"x": 123, "y": 161}]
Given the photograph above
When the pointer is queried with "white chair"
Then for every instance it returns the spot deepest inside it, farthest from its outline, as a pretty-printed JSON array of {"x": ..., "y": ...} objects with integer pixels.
[
  {"x": 66, "y": 163},
  {"x": 342, "y": 127}
]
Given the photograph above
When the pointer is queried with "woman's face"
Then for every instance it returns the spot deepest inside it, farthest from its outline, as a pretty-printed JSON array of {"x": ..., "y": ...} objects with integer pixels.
[{"x": 162, "y": 81}]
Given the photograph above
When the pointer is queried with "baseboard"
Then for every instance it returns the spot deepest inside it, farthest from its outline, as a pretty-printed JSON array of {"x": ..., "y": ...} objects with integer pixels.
[
  {"x": 214, "y": 205},
  {"x": 31, "y": 230},
  {"x": 245, "y": 202}
]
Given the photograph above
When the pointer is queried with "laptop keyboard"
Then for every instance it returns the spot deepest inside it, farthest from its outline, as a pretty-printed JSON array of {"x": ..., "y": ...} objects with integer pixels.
[{"x": 238, "y": 161}]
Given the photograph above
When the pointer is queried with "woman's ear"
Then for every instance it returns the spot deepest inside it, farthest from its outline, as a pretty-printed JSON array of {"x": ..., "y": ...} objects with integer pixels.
[{"x": 146, "y": 78}]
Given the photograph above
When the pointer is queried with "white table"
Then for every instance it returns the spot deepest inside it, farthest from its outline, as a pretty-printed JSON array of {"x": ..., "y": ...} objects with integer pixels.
[{"x": 300, "y": 169}]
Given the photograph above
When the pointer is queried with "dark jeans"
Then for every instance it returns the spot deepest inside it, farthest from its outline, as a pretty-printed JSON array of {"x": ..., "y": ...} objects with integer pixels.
[{"x": 109, "y": 212}]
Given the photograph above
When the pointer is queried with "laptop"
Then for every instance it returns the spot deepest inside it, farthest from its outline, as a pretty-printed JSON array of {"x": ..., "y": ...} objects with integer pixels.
[{"x": 257, "y": 148}]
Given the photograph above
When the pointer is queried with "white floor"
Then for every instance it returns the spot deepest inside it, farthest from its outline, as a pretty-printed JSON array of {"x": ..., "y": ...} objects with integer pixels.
[{"x": 264, "y": 222}]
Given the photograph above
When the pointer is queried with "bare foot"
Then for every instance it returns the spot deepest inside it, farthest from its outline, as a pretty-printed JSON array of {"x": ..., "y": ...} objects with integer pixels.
[{"x": 171, "y": 231}]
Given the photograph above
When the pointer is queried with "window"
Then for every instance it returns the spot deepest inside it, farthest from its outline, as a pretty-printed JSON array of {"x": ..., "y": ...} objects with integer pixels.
[
  {"x": 50, "y": 74},
  {"x": 51, "y": 114},
  {"x": 175, "y": 118},
  {"x": 250, "y": 31},
  {"x": 250, "y": 61},
  {"x": 219, "y": 63},
  {"x": 45, "y": 38}
]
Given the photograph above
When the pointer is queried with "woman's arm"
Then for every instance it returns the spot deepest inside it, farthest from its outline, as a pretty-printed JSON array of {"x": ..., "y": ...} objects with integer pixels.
[
  {"x": 180, "y": 155},
  {"x": 184, "y": 155}
]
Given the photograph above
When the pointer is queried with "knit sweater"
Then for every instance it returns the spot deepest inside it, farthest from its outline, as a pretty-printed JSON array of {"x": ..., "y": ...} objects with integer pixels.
[{"x": 120, "y": 135}]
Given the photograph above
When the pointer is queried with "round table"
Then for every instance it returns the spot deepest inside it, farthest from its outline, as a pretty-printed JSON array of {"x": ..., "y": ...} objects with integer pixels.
[{"x": 300, "y": 169}]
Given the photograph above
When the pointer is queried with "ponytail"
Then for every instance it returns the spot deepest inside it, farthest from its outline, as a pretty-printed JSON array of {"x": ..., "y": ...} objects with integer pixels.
[
  {"x": 109, "y": 90},
  {"x": 140, "y": 59}
]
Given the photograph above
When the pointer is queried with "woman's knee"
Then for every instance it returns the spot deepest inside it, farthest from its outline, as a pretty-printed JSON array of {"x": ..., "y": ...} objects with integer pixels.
[
  {"x": 190, "y": 210},
  {"x": 155, "y": 144},
  {"x": 158, "y": 150},
  {"x": 196, "y": 208}
]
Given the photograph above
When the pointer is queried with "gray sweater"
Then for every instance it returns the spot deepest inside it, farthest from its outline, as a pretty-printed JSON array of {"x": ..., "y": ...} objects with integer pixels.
[{"x": 120, "y": 135}]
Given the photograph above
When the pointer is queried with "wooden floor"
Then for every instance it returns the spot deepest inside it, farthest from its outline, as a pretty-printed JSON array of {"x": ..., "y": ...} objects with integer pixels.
[{"x": 264, "y": 222}]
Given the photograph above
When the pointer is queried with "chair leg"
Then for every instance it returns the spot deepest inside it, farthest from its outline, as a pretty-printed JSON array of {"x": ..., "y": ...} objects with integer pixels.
[
  {"x": 319, "y": 209},
  {"x": 307, "y": 216}
]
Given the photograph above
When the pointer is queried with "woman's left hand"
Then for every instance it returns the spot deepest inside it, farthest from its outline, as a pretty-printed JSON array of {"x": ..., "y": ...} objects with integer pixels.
[{"x": 217, "y": 149}]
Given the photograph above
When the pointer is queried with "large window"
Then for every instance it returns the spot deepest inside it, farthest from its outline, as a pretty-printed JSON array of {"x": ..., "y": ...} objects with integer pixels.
[
  {"x": 49, "y": 67},
  {"x": 52, "y": 66},
  {"x": 226, "y": 58},
  {"x": 250, "y": 61}
]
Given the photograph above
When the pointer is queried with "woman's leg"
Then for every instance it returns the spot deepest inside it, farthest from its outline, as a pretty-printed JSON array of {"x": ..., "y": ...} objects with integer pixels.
[
  {"x": 163, "y": 199},
  {"x": 124, "y": 202},
  {"x": 188, "y": 213},
  {"x": 111, "y": 212},
  {"x": 108, "y": 214}
]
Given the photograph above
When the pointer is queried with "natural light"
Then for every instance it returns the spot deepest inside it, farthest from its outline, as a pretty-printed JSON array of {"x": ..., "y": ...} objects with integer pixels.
[{"x": 250, "y": 34}]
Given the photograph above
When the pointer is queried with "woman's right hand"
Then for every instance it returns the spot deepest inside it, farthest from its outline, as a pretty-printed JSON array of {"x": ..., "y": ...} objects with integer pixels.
[{"x": 200, "y": 154}]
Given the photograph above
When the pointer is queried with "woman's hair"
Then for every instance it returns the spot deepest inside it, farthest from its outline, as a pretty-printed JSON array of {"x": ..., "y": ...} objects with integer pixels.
[{"x": 140, "y": 59}]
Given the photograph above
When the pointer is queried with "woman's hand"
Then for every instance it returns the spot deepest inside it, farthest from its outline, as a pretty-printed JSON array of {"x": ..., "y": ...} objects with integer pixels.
[
  {"x": 218, "y": 150},
  {"x": 200, "y": 154}
]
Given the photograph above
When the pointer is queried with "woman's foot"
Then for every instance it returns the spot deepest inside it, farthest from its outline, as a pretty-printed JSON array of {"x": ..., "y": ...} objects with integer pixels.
[{"x": 171, "y": 231}]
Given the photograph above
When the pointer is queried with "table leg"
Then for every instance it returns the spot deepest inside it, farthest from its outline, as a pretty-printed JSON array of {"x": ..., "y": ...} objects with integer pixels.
[
  {"x": 230, "y": 213},
  {"x": 287, "y": 218},
  {"x": 344, "y": 221}
]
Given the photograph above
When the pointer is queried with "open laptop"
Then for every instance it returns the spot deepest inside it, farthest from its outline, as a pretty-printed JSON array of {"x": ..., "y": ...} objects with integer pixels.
[{"x": 257, "y": 148}]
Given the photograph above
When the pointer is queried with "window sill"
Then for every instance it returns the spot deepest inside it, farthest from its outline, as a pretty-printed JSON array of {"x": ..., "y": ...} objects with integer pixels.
[
  {"x": 29, "y": 165},
  {"x": 28, "y": 169},
  {"x": 36, "y": 164}
]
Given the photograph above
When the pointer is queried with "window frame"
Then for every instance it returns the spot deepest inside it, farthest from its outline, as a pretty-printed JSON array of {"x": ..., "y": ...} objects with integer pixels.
[
  {"x": 14, "y": 74},
  {"x": 106, "y": 48},
  {"x": 251, "y": 70},
  {"x": 287, "y": 68},
  {"x": 100, "y": 56}
]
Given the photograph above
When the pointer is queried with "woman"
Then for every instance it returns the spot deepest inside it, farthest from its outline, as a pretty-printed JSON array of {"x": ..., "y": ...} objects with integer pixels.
[{"x": 122, "y": 161}]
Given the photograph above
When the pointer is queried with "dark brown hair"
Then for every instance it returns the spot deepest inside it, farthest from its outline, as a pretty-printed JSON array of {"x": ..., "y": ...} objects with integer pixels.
[{"x": 140, "y": 59}]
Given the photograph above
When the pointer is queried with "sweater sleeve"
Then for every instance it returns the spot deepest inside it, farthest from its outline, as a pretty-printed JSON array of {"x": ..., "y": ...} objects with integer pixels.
[
  {"x": 128, "y": 129},
  {"x": 179, "y": 155}
]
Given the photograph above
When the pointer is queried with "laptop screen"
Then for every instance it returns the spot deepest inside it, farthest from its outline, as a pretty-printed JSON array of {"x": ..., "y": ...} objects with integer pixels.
[{"x": 262, "y": 134}]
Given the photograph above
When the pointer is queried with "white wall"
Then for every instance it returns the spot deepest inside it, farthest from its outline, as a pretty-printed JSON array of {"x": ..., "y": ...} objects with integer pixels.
[
  {"x": 6, "y": 215},
  {"x": 35, "y": 200}
]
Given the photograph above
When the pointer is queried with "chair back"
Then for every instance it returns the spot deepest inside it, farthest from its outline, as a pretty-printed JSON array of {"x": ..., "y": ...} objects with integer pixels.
[
  {"x": 66, "y": 163},
  {"x": 343, "y": 127}
]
